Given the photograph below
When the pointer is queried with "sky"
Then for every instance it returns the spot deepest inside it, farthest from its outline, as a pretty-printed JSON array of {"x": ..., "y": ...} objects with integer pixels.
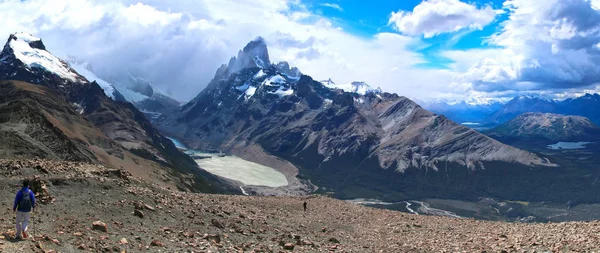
[{"x": 427, "y": 50}]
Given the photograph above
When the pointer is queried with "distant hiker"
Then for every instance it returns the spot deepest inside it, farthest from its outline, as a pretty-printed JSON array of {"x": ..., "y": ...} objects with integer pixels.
[
  {"x": 24, "y": 204},
  {"x": 305, "y": 206}
]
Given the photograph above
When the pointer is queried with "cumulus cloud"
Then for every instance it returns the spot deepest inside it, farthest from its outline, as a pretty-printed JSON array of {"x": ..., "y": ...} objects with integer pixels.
[
  {"x": 433, "y": 17},
  {"x": 547, "y": 45},
  {"x": 178, "y": 45}
]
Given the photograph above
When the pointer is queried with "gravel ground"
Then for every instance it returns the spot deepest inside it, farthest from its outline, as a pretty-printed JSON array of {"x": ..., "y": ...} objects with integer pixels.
[{"x": 170, "y": 221}]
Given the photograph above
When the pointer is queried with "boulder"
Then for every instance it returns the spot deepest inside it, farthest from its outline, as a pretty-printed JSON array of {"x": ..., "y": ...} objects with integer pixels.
[
  {"x": 138, "y": 213},
  {"x": 288, "y": 246},
  {"x": 100, "y": 226},
  {"x": 156, "y": 243},
  {"x": 217, "y": 223},
  {"x": 212, "y": 237}
]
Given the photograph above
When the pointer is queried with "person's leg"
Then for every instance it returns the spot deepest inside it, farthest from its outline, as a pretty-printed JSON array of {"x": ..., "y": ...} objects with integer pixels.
[
  {"x": 25, "y": 223},
  {"x": 18, "y": 228}
]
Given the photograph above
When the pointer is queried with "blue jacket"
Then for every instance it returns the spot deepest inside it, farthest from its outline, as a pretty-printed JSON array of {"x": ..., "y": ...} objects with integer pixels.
[{"x": 18, "y": 198}]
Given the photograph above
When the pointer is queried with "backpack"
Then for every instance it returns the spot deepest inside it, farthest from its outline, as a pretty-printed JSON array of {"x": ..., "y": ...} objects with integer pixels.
[{"x": 25, "y": 202}]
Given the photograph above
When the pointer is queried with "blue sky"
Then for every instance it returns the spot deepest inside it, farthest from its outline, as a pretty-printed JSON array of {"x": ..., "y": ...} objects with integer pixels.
[
  {"x": 369, "y": 19},
  {"x": 427, "y": 50}
]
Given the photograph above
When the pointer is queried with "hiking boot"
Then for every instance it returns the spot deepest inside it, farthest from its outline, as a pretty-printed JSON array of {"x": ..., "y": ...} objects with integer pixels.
[{"x": 25, "y": 235}]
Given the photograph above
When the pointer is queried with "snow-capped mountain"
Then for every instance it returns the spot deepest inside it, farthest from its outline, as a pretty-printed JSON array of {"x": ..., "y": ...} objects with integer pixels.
[
  {"x": 492, "y": 112},
  {"x": 143, "y": 95},
  {"x": 62, "y": 115},
  {"x": 361, "y": 138},
  {"x": 360, "y": 88},
  {"x": 474, "y": 111},
  {"x": 127, "y": 87},
  {"x": 24, "y": 57},
  {"x": 85, "y": 69},
  {"x": 522, "y": 104}
]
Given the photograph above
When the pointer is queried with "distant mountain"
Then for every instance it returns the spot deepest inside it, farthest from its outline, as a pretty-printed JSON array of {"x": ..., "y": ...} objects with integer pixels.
[
  {"x": 52, "y": 111},
  {"x": 464, "y": 112},
  {"x": 522, "y": 104},
  {"x": 355, "y": 141},
  {"x": 128, "y": 88},
  {"x": 548, "y": 126},
  {"x": 586, "y": 106},
  {"x": 360, "y": 88},
  {"x": 581, "y": 106}
]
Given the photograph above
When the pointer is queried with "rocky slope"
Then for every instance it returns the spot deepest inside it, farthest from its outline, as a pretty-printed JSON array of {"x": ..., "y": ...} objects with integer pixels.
[
  {"x": 354, "y": 144},
  {"x": 94, "y": 208},
  {"x": 54, "y": 112},
  {"x": 548, "y": 126}
]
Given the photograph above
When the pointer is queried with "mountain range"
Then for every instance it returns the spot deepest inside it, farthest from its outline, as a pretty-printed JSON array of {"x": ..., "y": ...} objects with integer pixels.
[
  {"x": 495, "y": 113},
  {"x": 353, "y": 140},
  {"x": 349, "y": 140},
  {"x": 51, "y": 111},
  {"x": 464, "y": 112}
]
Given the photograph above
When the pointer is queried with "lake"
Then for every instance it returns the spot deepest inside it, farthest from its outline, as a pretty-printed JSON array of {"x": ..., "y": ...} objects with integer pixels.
[
  {"x": 569, "y": 145},
  {"x": 235, "y": 168}
]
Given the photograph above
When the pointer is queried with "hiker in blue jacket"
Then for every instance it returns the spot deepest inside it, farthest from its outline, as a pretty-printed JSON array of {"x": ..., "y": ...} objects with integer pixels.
[{"x": 24, "y": 204}]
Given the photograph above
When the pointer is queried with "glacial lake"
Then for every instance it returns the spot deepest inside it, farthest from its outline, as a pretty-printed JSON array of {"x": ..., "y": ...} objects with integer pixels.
[
  {"x": 235, "y": 168},
  {"x": 569, "y": 145}
]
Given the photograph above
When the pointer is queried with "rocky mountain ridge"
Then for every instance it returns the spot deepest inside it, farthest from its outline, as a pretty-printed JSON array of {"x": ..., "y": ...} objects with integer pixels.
[
  {"x": 57, "y": 113},
  {"x": 553, "y": 127},
  {"x": 495, "y": 113},
  {"x": 329, "y": 133}
]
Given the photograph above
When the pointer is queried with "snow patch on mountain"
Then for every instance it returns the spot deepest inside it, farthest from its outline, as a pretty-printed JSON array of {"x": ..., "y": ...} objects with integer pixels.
[
  {"x": 280, "y": 82},
  {"x": 259, "y": 62},
  {"x": 275, "y": 80},
  {"x": 250, "y": 92},
  {"x": 283, "y": 91},
  {"x": 259, "y": 74},
  {"x": 130, "y": 95},
  {"x": 38, "y": 58},
  {"x": 84, "y": 69},
  {"x": 360, "y": 88}
]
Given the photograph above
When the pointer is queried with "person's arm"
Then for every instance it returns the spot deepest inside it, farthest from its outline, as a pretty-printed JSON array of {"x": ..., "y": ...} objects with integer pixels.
[
  {"x": 32, "y": 196},
  {"x": 17, "y": 200}
]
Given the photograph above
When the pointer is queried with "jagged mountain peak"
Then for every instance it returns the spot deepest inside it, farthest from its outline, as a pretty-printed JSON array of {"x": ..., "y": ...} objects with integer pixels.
[
  {"x": 24, "y": 48},
  {"x": 32, "y": 41},
  {"x": 254, "y": 54},
  {"x": 257, "y": 46}
]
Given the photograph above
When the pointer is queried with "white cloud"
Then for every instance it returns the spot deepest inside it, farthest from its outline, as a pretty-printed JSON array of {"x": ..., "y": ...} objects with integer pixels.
[
  {"x": 146, "y": 15},
  {"x": 548, "y": 45},
  {"x": 333, "y": 6},
  {"x": 433, "y": 17},
  {"x": 178, "y": 45}
]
